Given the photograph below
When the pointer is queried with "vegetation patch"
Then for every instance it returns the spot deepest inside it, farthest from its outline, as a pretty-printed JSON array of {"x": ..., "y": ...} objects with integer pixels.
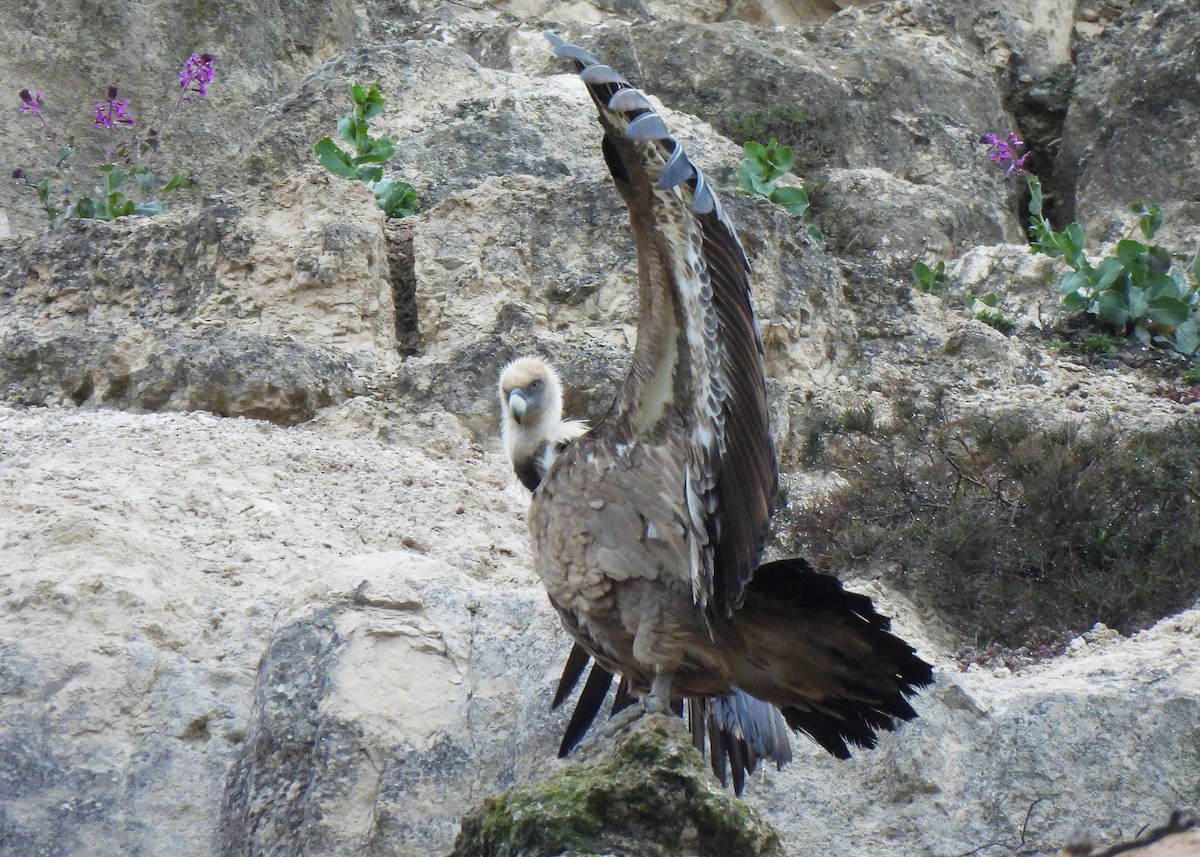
[
  {"x": 1021, "y": 535},
  {"x": 983, "y": 308},
  {"x": 652, "y": 791},
  {"x": 1138, "y": 291},
  {"x": 127, "y": 187}
]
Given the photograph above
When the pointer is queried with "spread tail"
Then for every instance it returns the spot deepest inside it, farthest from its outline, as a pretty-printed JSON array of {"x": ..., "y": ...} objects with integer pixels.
[{"x": 824, "y": 656}]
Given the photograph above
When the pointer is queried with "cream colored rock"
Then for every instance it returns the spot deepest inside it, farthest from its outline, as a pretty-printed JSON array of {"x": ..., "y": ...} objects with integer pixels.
[
  {"x": 312, "y": 264},
  {"x": 271, "y": 303}
]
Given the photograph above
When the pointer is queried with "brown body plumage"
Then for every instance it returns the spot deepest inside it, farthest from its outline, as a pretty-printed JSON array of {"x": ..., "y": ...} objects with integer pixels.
[{"x": 648, "y": 529}]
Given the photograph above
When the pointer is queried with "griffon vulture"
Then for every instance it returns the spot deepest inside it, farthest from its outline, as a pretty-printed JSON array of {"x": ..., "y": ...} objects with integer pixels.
[{"x": 648, "y": 529}]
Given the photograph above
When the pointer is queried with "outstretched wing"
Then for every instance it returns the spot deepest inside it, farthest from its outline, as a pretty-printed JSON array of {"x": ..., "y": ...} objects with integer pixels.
[{"x": 699, "y": 354}]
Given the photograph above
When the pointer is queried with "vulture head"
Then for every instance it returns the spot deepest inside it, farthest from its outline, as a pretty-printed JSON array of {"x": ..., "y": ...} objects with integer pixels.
[{"x": 531, "y": 423}]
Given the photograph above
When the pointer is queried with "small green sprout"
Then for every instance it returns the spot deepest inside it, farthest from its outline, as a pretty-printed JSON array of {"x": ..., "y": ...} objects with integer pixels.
[
  {"x": 931, "y": 281},
  {"x": 396, "y": 199},
  {"x": 1097, "y": 343},
  {"x": 985, "y": 308},
  {"x": 759, "y": 169}
]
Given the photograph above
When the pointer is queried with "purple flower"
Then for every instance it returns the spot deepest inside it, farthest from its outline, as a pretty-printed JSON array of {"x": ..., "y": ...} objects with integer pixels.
[
  {"x": 31, "y": 104},
  {"x": 112, "y": 113},
  {"x": 198, "y": 70},
  {"x": 1006, "y": 151}
]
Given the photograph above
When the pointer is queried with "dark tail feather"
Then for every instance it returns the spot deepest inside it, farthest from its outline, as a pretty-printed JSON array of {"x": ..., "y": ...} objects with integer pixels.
[
  {"x": 702, "y": 724},
  {"x": 867, "y": 702},
  {"x": 736, "y": 732},
  {"x": 739, "y": 729},
  {"x": 577, "y": 661},
  {"x": 590, "y": 700},
  {"x": 623, "y": 698}
]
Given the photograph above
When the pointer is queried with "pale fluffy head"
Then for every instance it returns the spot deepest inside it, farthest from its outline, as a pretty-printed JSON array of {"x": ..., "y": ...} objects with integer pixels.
[
  {"x": 539, "y": 383},
  {"x": 530, "y": 386}
]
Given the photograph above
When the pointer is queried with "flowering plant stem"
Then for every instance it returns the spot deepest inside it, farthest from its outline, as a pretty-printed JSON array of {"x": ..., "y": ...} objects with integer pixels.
[
  {"x": 1137, "y": 291},
  {"x": 123, "y": 167}
]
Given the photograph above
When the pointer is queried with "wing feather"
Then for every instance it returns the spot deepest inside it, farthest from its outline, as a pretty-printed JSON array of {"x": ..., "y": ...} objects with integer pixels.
[
  {"x": 591, "y": 699},
  {"x": 577, "y": 661},
  {"x": 689, "y": 250}
]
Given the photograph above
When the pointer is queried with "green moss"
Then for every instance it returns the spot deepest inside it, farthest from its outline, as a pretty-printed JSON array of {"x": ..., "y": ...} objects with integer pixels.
[
  {"x": 1097, "y": 343},
  {"x": 1080, "y": 341},
  {"x": 997, "y": 320},
  {"x": 652, "y": 787}
]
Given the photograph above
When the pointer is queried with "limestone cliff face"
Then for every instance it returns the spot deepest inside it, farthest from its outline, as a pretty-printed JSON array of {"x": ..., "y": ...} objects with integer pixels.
[{"x": 263, "y": 572}]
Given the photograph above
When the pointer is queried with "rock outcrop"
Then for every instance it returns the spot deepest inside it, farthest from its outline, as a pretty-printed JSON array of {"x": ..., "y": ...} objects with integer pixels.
[
  {"x": 650, "y": 793},
  {"x": 270, "y": 305},
  {"x": 264, "y": 585}
]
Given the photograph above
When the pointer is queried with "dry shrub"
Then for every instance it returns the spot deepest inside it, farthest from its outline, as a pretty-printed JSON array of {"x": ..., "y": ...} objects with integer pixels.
[{"x": 1014, "y": 531}]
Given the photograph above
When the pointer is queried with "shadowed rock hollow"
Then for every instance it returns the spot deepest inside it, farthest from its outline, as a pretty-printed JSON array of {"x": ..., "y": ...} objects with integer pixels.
[{"x": 264, "y": 578}]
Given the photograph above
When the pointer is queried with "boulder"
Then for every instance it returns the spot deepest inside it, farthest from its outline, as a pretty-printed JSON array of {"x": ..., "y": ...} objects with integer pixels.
[
  {"x": 1129, "y": 136},
  {"x": 270, "y": 304}
]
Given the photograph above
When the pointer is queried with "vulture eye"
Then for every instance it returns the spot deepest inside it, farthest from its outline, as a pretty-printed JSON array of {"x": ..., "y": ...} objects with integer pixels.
[{"x": 536, "y": 384}]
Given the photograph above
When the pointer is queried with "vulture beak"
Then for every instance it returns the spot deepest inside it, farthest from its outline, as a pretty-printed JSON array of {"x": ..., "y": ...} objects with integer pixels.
[{"x": 517, "y": 404}]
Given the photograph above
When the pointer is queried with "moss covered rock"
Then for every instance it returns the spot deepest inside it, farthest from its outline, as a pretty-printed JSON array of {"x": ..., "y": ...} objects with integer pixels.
[{"x": 650, "y": 793}]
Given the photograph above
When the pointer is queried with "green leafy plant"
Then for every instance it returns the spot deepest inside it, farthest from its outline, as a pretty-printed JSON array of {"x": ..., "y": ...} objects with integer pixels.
[
  {"x": 931, "y": 281},
  {"x": 127, "y": 185},
  {"x": 1137, "y": 291},
  {"x": 395, "y": 198},
  {"x": 759, "y": 169}
]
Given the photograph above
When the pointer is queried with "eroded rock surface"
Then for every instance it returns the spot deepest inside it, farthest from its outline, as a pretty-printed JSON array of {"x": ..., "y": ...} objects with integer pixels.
[{"x": 270, "y": 304}]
